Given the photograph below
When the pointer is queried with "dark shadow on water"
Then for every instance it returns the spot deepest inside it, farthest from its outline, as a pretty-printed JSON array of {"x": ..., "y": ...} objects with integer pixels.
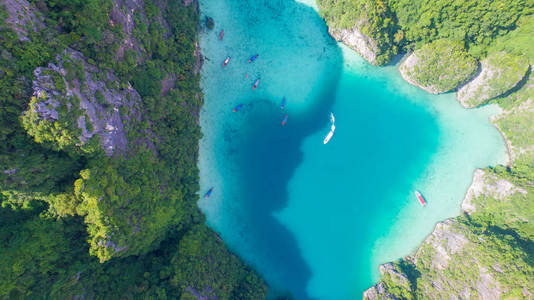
[
  {"x": 266, "y": 161},
  {"x": 266, "y": 156}
]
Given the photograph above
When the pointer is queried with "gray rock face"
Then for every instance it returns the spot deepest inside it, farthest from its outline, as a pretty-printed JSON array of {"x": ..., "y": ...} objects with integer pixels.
[
  {"x": 408, "y": 66},
  {"x": 122, "y": 14},
  {"x": 439, "y": 67},
  {"x": 359, "y": 42},
  {"x": 490, "y": 185},
  {"x": 96, "y": 98},
  {"x": 439, "y": 256},
  {"x": 493, "y": 80},
  {"x": 22, "y": 17},
  {"x": 45, "y": 90},
  {"x": 205, "y": 294},
  {"x": 379, "y": 290},
  {"x": 445, "y": 242},
  {"x": 11, "y": 171}
]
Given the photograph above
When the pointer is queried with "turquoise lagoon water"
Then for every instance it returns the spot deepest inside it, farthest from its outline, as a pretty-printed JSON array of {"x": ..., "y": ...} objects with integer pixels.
[{"x": 317, "y": 220}]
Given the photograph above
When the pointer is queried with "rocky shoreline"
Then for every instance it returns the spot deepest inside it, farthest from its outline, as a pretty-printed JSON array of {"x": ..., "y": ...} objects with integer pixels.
[
  {"x": 449, "y": 237},
  {"x": 448, "y": 240},
  {"x": 357, "y": 41}
]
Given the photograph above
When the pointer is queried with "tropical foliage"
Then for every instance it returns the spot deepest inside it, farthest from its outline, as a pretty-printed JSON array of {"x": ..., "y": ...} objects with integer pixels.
[
  {"x": 440, "y": 66},
  {"x": 76, "y": 222},
  {"x": 492, "y": 244},
  {"x": 408, "y": 25}
]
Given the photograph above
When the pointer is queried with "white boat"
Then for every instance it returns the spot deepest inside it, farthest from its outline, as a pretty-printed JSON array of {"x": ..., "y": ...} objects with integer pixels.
[
  {"x": 332, "y": 129},
  {"x": 328, "y": 137}
]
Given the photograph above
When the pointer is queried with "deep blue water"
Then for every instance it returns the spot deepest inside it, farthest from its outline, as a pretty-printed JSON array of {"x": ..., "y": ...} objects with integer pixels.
[{"x": 316, "y": 220}]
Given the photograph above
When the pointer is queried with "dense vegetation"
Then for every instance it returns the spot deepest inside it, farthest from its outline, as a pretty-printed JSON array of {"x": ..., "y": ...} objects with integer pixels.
[
  {"x": 501, "y": 72},
  {"x": 440, "y": 66},
  {"x": 77, "y": 221},
  {"x": 487, "y": 252},
  {"x": 409, "y": 24},
  {"x": 493, "y": 244},
  {"x": 373, "y": 18}
]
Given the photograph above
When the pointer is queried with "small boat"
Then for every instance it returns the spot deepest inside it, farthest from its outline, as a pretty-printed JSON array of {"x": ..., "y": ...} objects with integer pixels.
[
  {"x": 226, "y": 61},
  {"x": 256, "y": 84},
  {"x": 284, "y": 121},
  {"x": 238, "y": 107},
  {"x": 420, "y": 198},
  {"x": 221, "y": 35},
  {"x": 283, "y": 104},
  {"x": 330, "y": 134},
  {"x": 332, "y": 129},
  {"x": 208, "y": 193},
  {"x": 253, "y": 58}
]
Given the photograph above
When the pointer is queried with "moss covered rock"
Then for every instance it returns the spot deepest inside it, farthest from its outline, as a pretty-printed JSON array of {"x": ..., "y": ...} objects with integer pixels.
[{"x": 439, "y": 67}]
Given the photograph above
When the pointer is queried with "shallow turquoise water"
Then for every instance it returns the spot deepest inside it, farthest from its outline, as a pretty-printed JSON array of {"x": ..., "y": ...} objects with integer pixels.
[{"x": 316, "y": 220}]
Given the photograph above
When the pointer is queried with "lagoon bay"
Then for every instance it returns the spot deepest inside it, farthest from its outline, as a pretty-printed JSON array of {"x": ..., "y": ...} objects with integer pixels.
[{"x": 317, "y": 220}]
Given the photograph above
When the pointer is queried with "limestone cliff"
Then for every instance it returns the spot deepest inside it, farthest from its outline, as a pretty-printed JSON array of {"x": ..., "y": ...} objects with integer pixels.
[
  {"x": 359, "y": 42},
  {"x": 499, "y": 73},
  {"x": 438, "y": 67},
  {"x": 85, "y": 102},
  {"x": 23, "y": 17},
  {"x": 484, "y": 253},
  {"x": 365, "y": 26}
]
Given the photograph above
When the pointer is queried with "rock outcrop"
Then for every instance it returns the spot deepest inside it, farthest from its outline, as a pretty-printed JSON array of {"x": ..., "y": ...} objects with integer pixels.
[
  {"x": 22, "y": 16},
  {"x": 87, "y": 100},
  {"x": 365, "y": 26},
  {"x": 439, "y": 254},
  {"x": 359, "y": 42},
  {"x": 438, "y": 67},
  {"x": 122, "y": 14},
  {"x": 380, "y": 290},
  {"x": 408, "y": 66},
  {"x": 488, "y": 185},
  {"x": 450, "y": 258},
  {"x": 499, "y": 73}
]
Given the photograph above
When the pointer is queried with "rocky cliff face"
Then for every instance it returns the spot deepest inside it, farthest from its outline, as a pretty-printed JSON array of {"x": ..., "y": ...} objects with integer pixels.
[
  {"x": 449, "y": 265},
  {"x": 499, "y": 73},
  {"x": 454, "y": 262},
  {"x": 438, "y": 67},
  {"x": 407, "y": 68},
  {"x": 23, "y": 17},
  {"x": 381, "y": 289},
  {"x": 363, "y": 25},
  {"x": 483, "y": 253},
  {"x": 488, "y": 185},
  {"x": 359, "y": 42},
  {"x": 87, "y": 101}
]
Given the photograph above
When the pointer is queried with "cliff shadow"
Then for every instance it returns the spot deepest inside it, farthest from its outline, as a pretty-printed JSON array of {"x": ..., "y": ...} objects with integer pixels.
[{"x": 265, "y": 154}]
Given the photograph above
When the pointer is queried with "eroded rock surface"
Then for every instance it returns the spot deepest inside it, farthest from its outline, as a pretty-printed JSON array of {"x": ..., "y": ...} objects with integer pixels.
[
  {"x": 359, "y": 42},
  {"x": 22, "y": 16},
  {"x": 499, "y": 74},
  {"x": 74, "y": 88},
  {"x": 380, "y": 291},
  {"x": 439, "y": 67},
  {"x": 488, "y": 185}
]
